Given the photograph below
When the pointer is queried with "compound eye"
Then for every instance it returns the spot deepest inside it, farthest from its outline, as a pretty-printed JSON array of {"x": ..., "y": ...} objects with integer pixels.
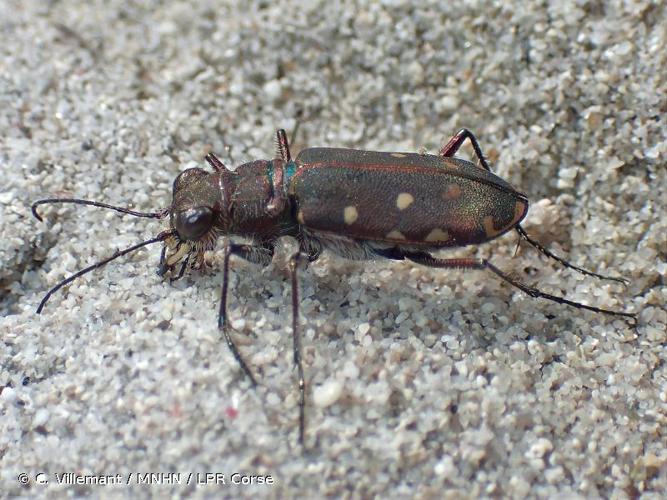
[{"x": 193, "y": 223}]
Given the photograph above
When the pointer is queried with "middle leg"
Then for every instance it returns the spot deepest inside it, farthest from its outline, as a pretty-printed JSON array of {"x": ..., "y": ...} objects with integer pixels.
[{"x": 296, "y": 340}]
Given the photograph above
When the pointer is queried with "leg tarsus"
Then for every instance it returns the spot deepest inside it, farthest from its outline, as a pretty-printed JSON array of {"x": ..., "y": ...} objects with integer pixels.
[
  {"x": 565, "y": 263},
  {"x": 299, "y": 115}
]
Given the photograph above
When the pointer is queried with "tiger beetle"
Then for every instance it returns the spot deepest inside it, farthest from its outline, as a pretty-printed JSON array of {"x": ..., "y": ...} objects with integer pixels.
[{"x": 357, "y": 204}]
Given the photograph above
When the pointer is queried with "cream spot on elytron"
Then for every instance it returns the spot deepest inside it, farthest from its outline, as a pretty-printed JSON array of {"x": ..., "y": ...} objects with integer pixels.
[
  {"x": 395, "y": 235},
  {"x": 453, "y": 192},
  {"x": 404, "y": 200},
  {"x": 437, "y": 235},
  {"x": 397, "y": 155},
  {"x": 489, "y": 228},
  {"x": 519, "y": 208},
  {"x": 350, "y": 215},
  {"x": 299, "y": 217}
]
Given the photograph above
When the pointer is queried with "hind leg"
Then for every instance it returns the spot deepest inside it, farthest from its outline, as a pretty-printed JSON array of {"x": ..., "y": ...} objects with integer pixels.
[
  {"x": 453, "y": 145},
  {"x": 426, "y": 259}
]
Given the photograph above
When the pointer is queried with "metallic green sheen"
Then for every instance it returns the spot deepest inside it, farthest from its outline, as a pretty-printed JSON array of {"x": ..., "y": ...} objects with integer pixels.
[{"x": 356, "y": 194}]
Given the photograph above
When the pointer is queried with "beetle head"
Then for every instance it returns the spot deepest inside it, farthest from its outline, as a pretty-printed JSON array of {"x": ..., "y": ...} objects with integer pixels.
[{"x": 198, "y": 215}]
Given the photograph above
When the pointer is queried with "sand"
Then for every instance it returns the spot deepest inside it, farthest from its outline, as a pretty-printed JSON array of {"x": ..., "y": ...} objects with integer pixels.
[{"x": 421, "y": 382}]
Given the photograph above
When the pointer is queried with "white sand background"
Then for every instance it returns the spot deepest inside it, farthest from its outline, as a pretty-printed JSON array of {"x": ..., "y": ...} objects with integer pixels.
[{"x": 421, "y": 382}]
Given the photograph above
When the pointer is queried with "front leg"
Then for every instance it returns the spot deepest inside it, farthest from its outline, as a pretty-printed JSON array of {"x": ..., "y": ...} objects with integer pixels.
[{"x": 257, "y": 254}]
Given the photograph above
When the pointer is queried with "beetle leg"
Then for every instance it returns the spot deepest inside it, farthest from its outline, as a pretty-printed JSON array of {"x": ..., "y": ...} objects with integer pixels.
[
  {"x": 277, "y": 202},
  {"x": 262, "y": 255},
  {"x": 222, "y": 316},
  {"x": 427, "y": 259},
  {"x": 564, "y": 262},
  {"x": 283, "y": 145},
  {"x": 298, "y": 115},
  {"x": 162, "y": 266},
  {"x": 453, "y": 145},
  {"x": 181, "y": 271},
  {"x": 296, "y": 338},
  {"x": 215, "y": 162},
  {"x": 309, "y": 246},
  {"x": 257, "y": 254}
]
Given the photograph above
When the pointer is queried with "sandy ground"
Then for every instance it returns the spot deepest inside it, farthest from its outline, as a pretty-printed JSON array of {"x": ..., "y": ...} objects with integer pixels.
[{"x": 420, "y": 382}]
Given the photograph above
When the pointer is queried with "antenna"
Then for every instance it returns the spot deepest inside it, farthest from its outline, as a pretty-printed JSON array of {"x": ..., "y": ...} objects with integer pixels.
[
  {"x": 77, "y": 201},
  {"x": 160, "y": 237}
]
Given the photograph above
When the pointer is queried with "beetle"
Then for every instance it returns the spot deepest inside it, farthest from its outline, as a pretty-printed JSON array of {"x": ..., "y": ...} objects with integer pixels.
[{"x": 357, "y": 204}]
